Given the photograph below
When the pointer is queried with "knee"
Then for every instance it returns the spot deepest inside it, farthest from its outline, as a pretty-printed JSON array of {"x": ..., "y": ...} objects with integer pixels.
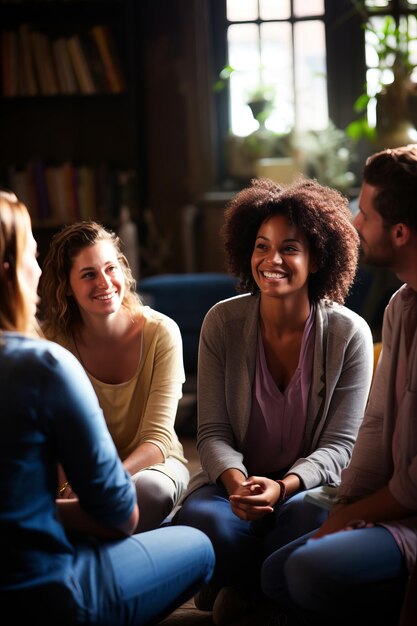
[
  {"x": 155, "y": 500},
  {"x": 194, "y": 544},
  {"x": 292, "y": 577},
  {"x": 155, "y": 490},
  {"x": 311, "y": 578},
  {"x": 196, "y": 512},
  {"x": 273, "y": 581},
  {"x": 301, "y": 576}
]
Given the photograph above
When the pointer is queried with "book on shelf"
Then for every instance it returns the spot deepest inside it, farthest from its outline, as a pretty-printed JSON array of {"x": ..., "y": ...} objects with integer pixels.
[
  {"x": 29, "y": 83},
  {"x": 104, "y": 196},
  {"x": 44, "y": 209},
  {"x": 21, "y": 183},
  {"x": 87, "y": 193},
  {"x": 57, "y": 195},
  {"x": 324, "y": 496},
  {"x": 44, "y": 66},
  {"x": 64, "y": 193},
  {"x": 10, "y": 63},
  {"x": 5, "y": 67},
  {"x": 103, "y": 36},
  {"x": 69, "y": 179},
  {"x": 95, "y": 63},
  {"x": 81, "y": 67},
  {"x": 31, "y": 190},
  {"x": 64, "y": 67}
]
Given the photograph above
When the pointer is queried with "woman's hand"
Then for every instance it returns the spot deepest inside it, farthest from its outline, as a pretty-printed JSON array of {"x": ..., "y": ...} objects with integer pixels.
[{"x": 254, "y": 498}]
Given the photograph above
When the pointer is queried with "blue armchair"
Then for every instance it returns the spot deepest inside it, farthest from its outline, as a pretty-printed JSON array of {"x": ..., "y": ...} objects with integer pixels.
[{"x": 186, "y": 298}]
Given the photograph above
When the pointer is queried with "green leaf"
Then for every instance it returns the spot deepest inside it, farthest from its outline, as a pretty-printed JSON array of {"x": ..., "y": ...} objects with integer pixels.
[
  {"x": 361, "y": 103},
  {"x": 354, "y": 130},
  {"x": 360, "y": 128},
  {"x": 226, "y": 72},
  {"x": 219, "y": 85}
]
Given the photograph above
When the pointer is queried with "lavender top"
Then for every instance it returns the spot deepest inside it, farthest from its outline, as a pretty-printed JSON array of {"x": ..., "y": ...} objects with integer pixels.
[{"x": 277, "y": 422}]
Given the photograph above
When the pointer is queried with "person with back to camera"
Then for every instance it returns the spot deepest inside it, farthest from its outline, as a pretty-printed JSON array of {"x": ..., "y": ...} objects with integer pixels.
[
  {"x": 70, "y": 561},
  {"x": 360, "y": 567},
  {"x": 132, "y": 355},
  {"x": 283, "y": 378}
]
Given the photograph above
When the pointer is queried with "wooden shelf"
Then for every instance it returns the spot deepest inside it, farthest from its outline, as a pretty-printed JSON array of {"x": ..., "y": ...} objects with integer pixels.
[{"x": 99, "y": 132}]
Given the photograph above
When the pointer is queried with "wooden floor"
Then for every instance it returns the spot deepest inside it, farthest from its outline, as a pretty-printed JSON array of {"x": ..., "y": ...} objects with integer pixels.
[{"x": 188, "y": 615}]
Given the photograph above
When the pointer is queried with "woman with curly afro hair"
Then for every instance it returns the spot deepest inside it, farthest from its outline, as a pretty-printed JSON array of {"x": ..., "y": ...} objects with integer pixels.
[{"x": 283, "y": 380}]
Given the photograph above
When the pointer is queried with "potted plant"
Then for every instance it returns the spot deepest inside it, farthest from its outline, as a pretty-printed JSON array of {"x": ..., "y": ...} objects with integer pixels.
[{"x": 394, "y": 125}]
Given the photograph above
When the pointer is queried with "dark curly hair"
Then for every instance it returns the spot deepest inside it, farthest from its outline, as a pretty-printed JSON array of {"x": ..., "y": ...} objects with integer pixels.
[
  {"x": 394, "y": 173},
  {"x": 322, "y": 214}
]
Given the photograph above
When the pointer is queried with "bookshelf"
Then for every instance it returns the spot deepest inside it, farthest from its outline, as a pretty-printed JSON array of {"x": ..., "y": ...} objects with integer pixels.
[{"x": 70, "y": 109}]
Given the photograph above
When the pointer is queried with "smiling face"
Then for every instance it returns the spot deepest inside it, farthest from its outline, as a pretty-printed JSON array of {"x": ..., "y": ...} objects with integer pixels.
[
  {"x": 96, "y": 280},
  {"x": 281, "y": 260}
]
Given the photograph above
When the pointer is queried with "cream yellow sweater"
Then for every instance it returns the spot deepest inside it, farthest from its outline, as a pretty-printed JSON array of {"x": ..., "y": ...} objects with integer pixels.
[{"x": 143, "y": 409}]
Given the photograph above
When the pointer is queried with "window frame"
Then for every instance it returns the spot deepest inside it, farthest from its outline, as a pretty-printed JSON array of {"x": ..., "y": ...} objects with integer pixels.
[{"x": 345, "y": 56}]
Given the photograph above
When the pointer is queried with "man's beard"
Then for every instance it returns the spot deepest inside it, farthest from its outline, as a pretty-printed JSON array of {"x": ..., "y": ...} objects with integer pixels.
[{"x": 379, "y": 255}]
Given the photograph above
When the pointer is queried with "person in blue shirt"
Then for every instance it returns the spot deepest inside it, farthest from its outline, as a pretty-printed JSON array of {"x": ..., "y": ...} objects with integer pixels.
[{"x": 70, "y": 561}]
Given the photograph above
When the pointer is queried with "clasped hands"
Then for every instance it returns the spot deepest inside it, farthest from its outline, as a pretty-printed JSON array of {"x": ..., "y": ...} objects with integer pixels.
[{"x": 254, "y": 498}]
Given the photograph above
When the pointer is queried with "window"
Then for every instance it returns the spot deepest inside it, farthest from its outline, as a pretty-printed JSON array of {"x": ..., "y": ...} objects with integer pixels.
[
  {"x": 310, "y": 52},
  {"x": 277, "y": 51}
]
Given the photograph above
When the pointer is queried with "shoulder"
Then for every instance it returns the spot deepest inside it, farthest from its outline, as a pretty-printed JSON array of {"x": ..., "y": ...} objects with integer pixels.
[
  {"x": 342, "y": 320},
  {"x": 401, "y": 298},
  {"x": 235, "y": 308},
  {"x": 159, "y": 324},
  {"x": 42, "y": 355},
  {"x": 398, "y": 305},
  {"x": 62, "y": 340}
]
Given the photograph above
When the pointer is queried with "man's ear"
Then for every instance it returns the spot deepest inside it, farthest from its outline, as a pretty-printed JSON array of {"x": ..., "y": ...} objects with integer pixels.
[{"x": 401, "y": 234}]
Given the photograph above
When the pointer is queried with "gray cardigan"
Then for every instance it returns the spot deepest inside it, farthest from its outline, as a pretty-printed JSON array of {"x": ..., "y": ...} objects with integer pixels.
[{"x": 342, "y": 372}]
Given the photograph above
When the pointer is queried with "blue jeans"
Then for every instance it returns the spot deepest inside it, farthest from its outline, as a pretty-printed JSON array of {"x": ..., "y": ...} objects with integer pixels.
[
  {"x": 350, "y": 577},
  {"x": 129, "y": 582},
  {"x": 141, "y": 579},
  {"x": 241, "y": 546}
]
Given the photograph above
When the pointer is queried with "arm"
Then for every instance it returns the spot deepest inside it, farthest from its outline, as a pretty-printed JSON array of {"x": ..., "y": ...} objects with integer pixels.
[
  {"x": 381, "y": 481},
  {"x": 368, "y": 470},
  {"x": 106, "y": 503},
  {"x": 348, "y": 369},
  {"x": 218, "y": 428},
  {"x": 161, "y": 382},
  {"x": 75, "y": 518},
  {"x": 380, "y": 506},
  {"x": 145, "y": 455}
]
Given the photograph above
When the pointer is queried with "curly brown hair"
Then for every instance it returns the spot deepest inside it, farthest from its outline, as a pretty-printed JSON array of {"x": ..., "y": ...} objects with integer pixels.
[
  {"x": 322, "y": 214},
  {"x": 60, "y": 312}
]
